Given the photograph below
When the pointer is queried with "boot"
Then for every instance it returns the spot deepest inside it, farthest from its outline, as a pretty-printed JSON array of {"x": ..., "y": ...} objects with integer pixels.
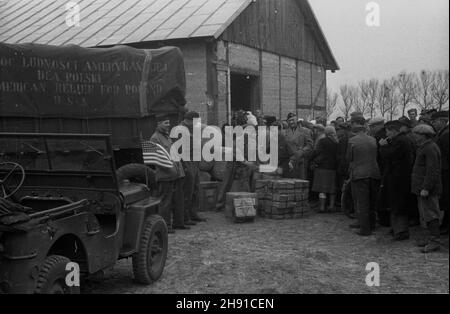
[
  {"x": 423, "y": 242},
  {"x": 322, "y": 205},
  {"x": 434, "y": 244},
  {"x": 332, "y": 207}
]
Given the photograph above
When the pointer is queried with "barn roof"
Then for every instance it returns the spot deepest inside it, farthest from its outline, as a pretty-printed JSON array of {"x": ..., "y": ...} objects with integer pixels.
[{"x": 112, "y": 22}]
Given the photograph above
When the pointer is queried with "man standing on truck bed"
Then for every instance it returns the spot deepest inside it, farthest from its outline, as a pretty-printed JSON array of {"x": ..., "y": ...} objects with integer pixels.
[{"x": 170, "y": 180}]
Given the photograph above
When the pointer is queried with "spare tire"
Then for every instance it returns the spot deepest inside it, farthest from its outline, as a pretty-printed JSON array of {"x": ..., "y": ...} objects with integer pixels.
[{"x": 138, "y": 173}]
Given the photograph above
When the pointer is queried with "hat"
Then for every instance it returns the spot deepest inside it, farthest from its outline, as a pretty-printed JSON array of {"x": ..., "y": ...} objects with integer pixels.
[
  {"x": 358, "y": 120},
  {"x": 330, "y": 130},
  {"x": 356, "y": 114},
  {"x": 405, "y": 122},
  {"x": 345, "y": 126},
  {"x": 424, "y": 129},
  {"x": 290, "y": 116},
  {"x": 375, "y": 121},
  {"x": 160, "y": 117},
  {"x": 412, "y": 110},
  {"x": 270, "y": 119},
  {"x": 440, "y": 114},
  {"x": 428, "y": 112},
  {"x": 319, "y": 127},
  {"x": 191, "y": 115},
  {"x": 396, "y": 125}
]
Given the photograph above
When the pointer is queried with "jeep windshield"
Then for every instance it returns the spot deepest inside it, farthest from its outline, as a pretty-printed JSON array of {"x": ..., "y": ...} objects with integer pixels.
[{"x": 54, "y": 153}]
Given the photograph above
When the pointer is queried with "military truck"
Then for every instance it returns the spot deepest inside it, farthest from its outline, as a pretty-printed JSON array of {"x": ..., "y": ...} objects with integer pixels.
[
  {"x": 61, "y": 204},
  {"x": 73, "y": 187},
  {"x": 70, "y": 89}
]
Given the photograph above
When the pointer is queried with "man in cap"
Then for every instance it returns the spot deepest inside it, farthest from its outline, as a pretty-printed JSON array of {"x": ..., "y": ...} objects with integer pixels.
[
  {"x": 427, "y": 185},
  {"x": 192, "y": 178},
  {"x": 398, "y": 157},
  {"x": 412, "y": 116},
  {"x": 170, "y": 180},
  {"x": 426, "y": 116},
  {"x": 299, "y": 144},
  {"x": 414, "y": 216},
  {"x": 406, "y": 128},
  {"x": 440, "y": 123},
  {"x": 376, "y": 126},
  {"x": 364, "y": 176}
]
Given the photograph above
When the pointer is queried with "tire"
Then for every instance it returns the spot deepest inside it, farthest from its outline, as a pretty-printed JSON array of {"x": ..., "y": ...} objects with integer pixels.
[
  {"x": 149, "y": 261},
  {"x": 52, "y": 277},
  {"x": 138, "y": 173}
]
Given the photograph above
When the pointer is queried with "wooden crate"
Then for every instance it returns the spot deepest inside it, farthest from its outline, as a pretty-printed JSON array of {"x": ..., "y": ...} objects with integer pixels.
[
  {"x": 241, "y": 207},
  {"x": 208, "y": 196}
]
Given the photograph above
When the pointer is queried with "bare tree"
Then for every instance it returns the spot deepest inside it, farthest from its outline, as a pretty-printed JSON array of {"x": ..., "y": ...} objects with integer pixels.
[
  {"x": 355, "y": 99},
  {"x": 384, "y": 97},
  {"x": 422, "y": 95},
  {"x": 439, "y": 89},
  {"x": 363, "y": 93},
  {"x": 406, "y": 90},
  {"x": 393, "y": 98},
  {"x": 332, "y": 99},
  {"x": 347, "y": 104},
  {"x": 374, "y": 86}
]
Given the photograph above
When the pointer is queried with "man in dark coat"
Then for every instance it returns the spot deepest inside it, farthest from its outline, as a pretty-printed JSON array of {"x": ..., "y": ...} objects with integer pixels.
[
  {"x": 378, "y": 131},
  {"x": 398, "y": 157},
  {"x": 192, "y": 179},
  {"x": 406, "y": 128},
  {"x": 440, "y": 123},
  {"x": 170, "y": 180},
  {"x": 364, "y": 176},
  {"x": 426, "y": 184}
]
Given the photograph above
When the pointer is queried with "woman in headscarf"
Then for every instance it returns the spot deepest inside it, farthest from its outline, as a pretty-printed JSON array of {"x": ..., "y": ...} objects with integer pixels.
[{"x": 324, "y": 160}]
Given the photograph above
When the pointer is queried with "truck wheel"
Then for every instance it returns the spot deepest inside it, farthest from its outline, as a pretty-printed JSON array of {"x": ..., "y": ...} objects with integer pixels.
[
  {"x": 138, "y": 173},
  {"x": 149, "y": 261},
  {"x": 52, "y": 277}
]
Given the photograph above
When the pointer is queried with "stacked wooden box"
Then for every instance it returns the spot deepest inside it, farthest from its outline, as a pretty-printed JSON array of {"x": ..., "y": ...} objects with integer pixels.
[
  {"x": 283, "y": 199},
  {"x": 241, "y": 207}
]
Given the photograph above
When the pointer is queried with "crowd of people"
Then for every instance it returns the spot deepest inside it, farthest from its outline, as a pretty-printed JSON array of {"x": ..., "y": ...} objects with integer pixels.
[{"x": 389, "y": 173}]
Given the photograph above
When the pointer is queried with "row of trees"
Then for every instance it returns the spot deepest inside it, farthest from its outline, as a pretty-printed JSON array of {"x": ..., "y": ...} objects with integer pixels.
[{"x": 392, "y": 97}]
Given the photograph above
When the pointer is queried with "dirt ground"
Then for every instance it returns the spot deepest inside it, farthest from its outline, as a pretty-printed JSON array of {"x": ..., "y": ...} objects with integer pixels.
[{"x": 317, "y": 254}]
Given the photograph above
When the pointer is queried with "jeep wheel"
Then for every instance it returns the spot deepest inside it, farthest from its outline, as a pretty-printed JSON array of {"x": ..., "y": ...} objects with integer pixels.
[
  {"x": 52, "y": 277},
  {"x": 149, "y": 261},
  {"x": 138, "y": 173}
]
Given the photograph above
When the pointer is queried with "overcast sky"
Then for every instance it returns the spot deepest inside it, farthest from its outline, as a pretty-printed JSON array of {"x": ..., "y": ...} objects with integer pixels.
[{"x": 413, "y": 35}]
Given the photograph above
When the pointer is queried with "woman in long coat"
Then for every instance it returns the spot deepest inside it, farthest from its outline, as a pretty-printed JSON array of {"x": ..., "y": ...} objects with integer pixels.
[{"x": 324, "y": 159}]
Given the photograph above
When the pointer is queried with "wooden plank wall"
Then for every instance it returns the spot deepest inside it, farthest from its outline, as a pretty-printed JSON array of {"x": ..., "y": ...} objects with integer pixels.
[{"x": 276, "y": 26}]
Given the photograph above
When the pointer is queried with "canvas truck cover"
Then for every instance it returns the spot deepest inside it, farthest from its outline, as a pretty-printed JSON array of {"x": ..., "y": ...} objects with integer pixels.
[{"x": 40, "y": 81}]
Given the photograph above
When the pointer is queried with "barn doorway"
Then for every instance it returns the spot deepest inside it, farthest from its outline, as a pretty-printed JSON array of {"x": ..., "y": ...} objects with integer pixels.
[{"x": 244, "y": 92}]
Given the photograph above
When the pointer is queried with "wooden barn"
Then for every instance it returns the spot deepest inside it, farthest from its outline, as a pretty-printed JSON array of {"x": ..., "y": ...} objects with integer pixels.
[{"x": 269, "y": 55}]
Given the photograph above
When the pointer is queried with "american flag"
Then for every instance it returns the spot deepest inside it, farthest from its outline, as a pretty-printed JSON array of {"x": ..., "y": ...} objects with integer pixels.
[{"x": 155, "y": 154}]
